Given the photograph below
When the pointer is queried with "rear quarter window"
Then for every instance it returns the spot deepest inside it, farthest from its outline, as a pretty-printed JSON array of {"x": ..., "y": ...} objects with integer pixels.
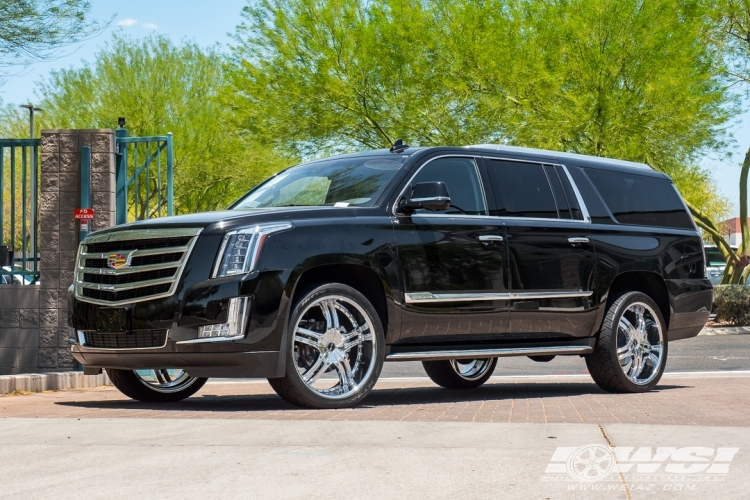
[{"x": 641, "y": 200}]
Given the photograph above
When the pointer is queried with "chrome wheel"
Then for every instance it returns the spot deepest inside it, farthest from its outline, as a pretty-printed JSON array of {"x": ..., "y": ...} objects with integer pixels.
[
  {"x": 165, "y": 380},
  {"x": 471, "y": 369},
  {"x": 334, "y": 346},
  {"x": 640, "y": 343}
]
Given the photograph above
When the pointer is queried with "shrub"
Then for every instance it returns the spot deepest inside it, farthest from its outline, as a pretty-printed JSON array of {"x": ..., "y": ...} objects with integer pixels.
[{"x": 732, "y": 304}]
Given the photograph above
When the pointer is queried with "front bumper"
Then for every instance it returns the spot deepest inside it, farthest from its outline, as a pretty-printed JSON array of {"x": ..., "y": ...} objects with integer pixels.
[
  {"x": 205, "y": 302},
  {"x": 236, "y": 364}
]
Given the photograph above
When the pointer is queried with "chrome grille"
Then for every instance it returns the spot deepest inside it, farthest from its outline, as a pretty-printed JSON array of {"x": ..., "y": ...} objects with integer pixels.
[{"x": 133, "y": 265}]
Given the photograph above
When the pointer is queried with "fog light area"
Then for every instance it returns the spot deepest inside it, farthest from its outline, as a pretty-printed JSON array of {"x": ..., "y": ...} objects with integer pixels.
[{"x": 234, "y": 327}]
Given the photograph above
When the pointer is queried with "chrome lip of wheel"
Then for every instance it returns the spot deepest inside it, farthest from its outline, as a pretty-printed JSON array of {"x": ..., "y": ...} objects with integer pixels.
[
  {"x": 640, "y": 343},
  {"x": 471, "y": 369},
  {"x": 165, "y": 380},
  {"x": 347, "y": 346}
]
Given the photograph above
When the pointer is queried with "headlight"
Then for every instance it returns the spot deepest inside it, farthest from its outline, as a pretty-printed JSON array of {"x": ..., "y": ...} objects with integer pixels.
[{"x": 240, "y": 248}]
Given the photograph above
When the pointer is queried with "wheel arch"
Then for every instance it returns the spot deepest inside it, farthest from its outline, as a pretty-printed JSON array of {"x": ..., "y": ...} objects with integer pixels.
[
  {"x": 361, "y": 277},
  {"x": 647, "y": 282}
]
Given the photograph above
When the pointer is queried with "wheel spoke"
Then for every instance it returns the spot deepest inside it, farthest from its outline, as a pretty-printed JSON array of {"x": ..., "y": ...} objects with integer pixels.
[
  {"x": 639, "y": 367},
  {"x": 627, "y": 326},
  {"x": 311, "y": 343},
  {"x": 624, "y": 352},
  {"x": 316, "y": 370},
  {"x": 640, "y": 322},
  {"x": 357, "y": 341},
  {"x": 158, "y": 376},
  {"x": 654, "y": 360},
  {"x": 165, "y": 374},
  {"x": 346, "y": 378}
]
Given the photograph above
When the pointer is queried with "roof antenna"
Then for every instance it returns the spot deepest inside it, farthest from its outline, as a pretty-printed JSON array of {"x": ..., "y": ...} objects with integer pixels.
[{"x": 398, "y": 146}]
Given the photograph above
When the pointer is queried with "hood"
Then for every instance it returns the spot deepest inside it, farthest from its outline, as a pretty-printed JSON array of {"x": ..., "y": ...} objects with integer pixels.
[{"x": 219, "y": 222}]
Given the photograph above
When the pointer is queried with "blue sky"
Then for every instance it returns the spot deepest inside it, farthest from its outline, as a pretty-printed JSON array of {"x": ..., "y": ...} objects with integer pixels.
[{"x": 210, "y": 22}]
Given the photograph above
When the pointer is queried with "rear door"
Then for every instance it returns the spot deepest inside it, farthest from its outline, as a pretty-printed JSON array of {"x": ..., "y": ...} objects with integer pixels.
[
  {"x": 453, "y": 262},
  {"x": 550, "y": 257}
]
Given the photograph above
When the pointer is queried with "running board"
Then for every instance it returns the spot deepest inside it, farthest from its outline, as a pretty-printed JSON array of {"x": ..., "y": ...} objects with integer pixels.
[{"x": 490, "y": 353}]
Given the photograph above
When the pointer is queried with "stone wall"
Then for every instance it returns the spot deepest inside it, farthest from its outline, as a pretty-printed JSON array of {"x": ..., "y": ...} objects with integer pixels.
[{"x": 33, "y": 319}]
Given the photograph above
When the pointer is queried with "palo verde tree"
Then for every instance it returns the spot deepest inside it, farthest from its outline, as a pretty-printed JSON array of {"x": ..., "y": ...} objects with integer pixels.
[
  {"x": 161, "y": 87},
  {"x": 35, "y": 30},
  {"x": 621, "y": 78},
  {"x": 732, "y": 37}
]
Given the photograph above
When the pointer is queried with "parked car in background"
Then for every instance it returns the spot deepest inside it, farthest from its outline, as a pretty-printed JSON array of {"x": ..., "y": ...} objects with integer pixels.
[
  {"x": 715, "y": 264},
  {"x": 452, "y": 256},
  {"x": 6, "y": 278}
]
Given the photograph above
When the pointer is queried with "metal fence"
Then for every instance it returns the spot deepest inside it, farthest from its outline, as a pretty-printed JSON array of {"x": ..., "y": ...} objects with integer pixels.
[
  {"x": 19, "y": 195},
  {"x": 144, "y": 175}
]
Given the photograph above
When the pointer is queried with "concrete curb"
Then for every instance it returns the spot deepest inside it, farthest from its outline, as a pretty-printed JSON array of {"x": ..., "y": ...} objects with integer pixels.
[{"x": 38, "y": 382}]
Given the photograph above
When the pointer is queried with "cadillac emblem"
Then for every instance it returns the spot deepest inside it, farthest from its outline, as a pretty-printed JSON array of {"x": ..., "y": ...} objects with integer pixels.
[{"x": 119, "y": 260}]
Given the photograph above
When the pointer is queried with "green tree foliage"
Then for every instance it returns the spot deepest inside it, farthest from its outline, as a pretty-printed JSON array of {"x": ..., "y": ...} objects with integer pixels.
[
  {"x": 161, "y": 87},
  {"x": 35, "y": 30},
  {"x": 620, "y": 78}
]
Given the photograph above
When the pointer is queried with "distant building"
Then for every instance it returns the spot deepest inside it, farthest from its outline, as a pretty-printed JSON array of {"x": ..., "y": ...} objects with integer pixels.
[{"x": 732, "y": 231}]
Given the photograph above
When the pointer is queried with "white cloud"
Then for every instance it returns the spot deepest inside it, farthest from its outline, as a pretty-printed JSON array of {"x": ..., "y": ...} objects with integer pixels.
[
  {"x": 127, "y": 22},
  {"x": 149, "y": 26}
]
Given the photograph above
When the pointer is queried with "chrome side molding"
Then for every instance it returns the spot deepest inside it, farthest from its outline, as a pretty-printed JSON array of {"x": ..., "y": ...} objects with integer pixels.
[
  {"x": 489, "y": 353},
  {"x": 429, "y": 297}
]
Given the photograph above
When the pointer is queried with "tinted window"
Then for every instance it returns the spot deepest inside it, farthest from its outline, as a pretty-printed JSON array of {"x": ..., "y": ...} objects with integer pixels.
[
  {"x": 597, "y": 211},
  {"x": 521, "y": 189},
  {"x": 640, "y": 199},
  {"x": 461, "y": 177}
]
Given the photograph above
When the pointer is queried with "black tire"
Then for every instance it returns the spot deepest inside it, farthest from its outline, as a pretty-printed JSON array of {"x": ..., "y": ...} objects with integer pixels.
[
  {"x": 129, "y": 383},
  {"x": 292, "y": 387},
  {"x": 446, "y": 373},
  {"x": 603, "y": 364}
]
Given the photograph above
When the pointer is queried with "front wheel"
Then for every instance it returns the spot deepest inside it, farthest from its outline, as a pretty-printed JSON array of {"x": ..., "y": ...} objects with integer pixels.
[
  {"x": 631, "y": 352},
  {"x": 460, "y": 373},
  {"x": 157, "y": 385},
  {"x": 335, "y": 349}
]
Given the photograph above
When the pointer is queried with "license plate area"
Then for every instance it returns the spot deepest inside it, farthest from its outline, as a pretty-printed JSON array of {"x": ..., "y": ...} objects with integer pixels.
[{"x": 114, "y": 320}]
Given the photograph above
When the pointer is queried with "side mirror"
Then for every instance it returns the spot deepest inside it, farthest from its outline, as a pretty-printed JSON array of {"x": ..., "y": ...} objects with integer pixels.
[{"x": 431, "y": 196}]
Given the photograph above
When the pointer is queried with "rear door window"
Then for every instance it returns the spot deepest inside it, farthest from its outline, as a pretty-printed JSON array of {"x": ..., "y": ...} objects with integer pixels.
[
  {"x": 521, "y": 189},
  {"x": 640, "y": 199}
]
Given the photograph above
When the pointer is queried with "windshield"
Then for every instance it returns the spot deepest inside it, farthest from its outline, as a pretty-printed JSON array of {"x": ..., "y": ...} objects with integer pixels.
[
  {"x": 340, "y": 182},
  {"x": 714, "y": 258}
]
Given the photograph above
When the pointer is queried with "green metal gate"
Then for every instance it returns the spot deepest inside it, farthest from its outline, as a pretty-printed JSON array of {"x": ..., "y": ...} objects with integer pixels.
[
  {"x": 19, "y": 194},
  {"x": 144, "y": 174}
]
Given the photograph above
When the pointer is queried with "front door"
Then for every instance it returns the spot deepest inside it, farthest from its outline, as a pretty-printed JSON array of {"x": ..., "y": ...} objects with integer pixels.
[
  {"x": 551, "y": 260},
  {"x": 453, "y": 262}
]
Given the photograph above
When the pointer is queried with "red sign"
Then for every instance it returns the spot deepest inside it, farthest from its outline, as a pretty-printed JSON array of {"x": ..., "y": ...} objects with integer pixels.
[{"x": 83, "y": 213}]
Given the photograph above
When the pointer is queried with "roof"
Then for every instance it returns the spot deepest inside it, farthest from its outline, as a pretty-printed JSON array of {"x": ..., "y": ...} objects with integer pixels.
[{"x": 560, "y": 154}]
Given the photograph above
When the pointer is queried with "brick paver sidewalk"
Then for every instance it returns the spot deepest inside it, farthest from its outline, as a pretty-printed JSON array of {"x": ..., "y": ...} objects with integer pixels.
[{"x": 689, "y": 400}]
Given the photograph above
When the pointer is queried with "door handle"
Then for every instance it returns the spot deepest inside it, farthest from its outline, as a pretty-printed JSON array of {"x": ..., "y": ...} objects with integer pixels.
[
  {"x": 489, "y": 238},
  {"x": 578, "y": 241}
]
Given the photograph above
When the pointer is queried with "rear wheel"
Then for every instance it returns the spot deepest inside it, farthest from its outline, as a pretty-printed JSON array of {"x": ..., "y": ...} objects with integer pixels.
[
  {"x": 460, "y": 373},
  {"x": 335, "y": 350},
  {"x": 631, "y": 352},
  {"x": 162, "y": 385}
]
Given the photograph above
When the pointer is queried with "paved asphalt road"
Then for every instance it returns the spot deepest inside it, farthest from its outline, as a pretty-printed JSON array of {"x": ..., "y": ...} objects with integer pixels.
[{"x": 703, "y": 353}]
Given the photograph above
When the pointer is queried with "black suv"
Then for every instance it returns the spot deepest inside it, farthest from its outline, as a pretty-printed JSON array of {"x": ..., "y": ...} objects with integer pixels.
[{"x": 451, "y": 256}]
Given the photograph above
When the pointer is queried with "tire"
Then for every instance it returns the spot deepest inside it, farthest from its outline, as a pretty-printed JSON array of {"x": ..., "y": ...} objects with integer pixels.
[
  {"x": 624, "y": 335},
  {"x": 460, "y": 373},
  {"x": 155, "y": 386},
  {"x": 333, "y": 329}
]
